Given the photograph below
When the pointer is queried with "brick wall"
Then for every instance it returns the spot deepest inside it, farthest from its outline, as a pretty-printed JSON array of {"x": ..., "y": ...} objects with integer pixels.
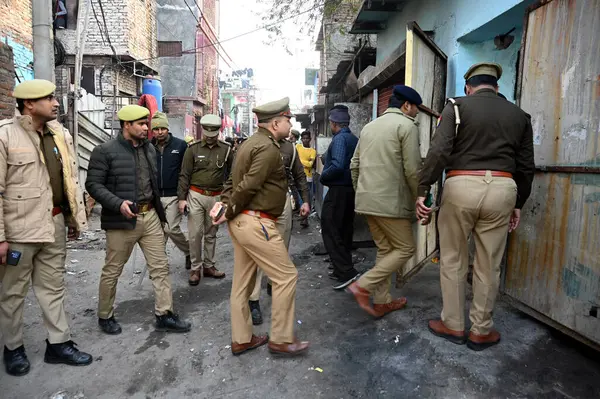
[
  {"x": 208, "y": 67},
  {"x": 7, "y": 82},
  {"x": 142, "y": 31},
  {"x": 16, "y": 31}
]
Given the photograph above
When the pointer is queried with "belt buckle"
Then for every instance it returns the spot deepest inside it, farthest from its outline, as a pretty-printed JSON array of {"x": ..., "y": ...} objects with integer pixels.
[{"x": 144, "y": 208}]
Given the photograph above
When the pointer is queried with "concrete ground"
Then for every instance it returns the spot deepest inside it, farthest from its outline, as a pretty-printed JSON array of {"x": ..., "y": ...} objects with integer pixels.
[{"x": 352, "y": 356}]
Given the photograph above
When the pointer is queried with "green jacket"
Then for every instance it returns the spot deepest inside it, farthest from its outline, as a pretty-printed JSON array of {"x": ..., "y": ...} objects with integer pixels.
[{"x": 385, "y": 166}]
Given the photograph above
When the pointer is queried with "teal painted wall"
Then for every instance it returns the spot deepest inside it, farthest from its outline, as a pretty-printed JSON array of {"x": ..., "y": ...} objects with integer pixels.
[
  {"x": 464, "y": 30},
  {"x": 23, "y": 59}
]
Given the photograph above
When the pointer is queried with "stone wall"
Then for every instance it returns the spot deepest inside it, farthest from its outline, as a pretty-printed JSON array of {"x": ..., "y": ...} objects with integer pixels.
[{"x": 7, "y": 82}]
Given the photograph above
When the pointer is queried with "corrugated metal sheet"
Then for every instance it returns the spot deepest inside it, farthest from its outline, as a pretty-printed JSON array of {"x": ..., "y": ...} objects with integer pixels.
[{"x": 553, "y": 263}]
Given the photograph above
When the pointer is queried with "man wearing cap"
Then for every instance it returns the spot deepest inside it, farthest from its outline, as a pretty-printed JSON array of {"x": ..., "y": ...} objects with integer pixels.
[
  {"x": 294, "y": 136},
  {"x": 337, "y": 214},
  {"x": 384, "y": 173},
  {"x": 39, "y": 198},
  {"x": 297, "y": 183},
  {"x": 206, "y": 167},
  {"x": 253, "y": 202},
  {"x": 170, "y": 151},
  {"x": 485, "y": 144},
  {"x": 122, "y": 178}
]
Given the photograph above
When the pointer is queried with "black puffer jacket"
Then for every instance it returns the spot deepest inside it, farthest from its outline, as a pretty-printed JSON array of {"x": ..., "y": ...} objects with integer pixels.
[
  {"x": 112, "y": 179},
  {"x": 169, "y": 165}
]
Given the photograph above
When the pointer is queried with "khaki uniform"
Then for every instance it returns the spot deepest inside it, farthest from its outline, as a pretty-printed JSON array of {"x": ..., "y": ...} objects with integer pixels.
[
  {"x": 297, "y": 178},
  {"x": 32, "y": 169},
  {"x": 259, "y": 185},
  {"x": 384, "y": 174},
  {"x": 204, "y": 169},
  {"x": 494, "y": 139}
]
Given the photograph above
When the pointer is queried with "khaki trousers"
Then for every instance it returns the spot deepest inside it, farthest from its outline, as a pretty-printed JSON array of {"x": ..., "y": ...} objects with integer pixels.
[
  {"x": 395, "y": 247},
  {"x": 200, "y": 227},
  {"x": 42, "y": 264},
  {"x": 148, "y": 233},
  {"x": 284, "y": 225},
  {"x": 172, "y": 228},
  {"x": 252, "y": 249},
  {"x": 481, "y": 205}
]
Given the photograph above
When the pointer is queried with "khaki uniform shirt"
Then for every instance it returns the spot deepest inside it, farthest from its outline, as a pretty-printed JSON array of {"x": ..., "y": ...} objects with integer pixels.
[
  {"x": 494, "y": 134},
  {"x": 54, "y": 165},
  {"x": 205, "y": 167},
  {"x": 258, "y": 180},
  {"x": 298, "y": 177},
  {"x": 144, "y": 184}
]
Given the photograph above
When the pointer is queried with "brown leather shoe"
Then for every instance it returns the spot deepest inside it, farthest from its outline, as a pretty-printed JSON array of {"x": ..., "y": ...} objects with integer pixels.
[
  {"x": 478, "y": 342},
  {"x": 255, "y": 342},
  {"x": 438, "y": 328},
  {"x": 195, "y": 277},
  {"x": 362, "y": 297},
  {"x": 384, "y": 308},
  {"x": 213, "y": 272},
  {"x": 293, "y": 349}
]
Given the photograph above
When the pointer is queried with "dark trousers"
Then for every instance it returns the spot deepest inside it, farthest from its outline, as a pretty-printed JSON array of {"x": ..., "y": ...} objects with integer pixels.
[{"x": 337, "y": 221}]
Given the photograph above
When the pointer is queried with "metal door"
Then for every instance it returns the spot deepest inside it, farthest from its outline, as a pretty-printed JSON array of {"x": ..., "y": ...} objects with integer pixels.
[{"x": 553, "y": 262}]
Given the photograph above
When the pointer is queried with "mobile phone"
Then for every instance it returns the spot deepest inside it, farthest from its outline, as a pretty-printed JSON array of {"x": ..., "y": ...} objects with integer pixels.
[
  {"x": 221, "y": 212},
  {"x": 134, "y": 208},
  {"x": 13, "y": 257}
]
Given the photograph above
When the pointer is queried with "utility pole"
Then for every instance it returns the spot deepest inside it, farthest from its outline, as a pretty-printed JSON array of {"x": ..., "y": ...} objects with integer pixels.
[
  {"x": 43, "y": 40},
  {"x": 79, "y": 50}
]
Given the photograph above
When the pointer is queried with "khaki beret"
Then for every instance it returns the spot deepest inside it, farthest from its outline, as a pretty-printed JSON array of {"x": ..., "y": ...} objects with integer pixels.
[
  {"x": 211, "y": 124},
  {"x": 130, "y": 113},
  {"x": 160, "y": 120},
  {"x": 274, "y": 108},
  {"x": 34, "y": 89},
  {"x": 295, "y": 133},
  {"x": 484, "y": 68}
]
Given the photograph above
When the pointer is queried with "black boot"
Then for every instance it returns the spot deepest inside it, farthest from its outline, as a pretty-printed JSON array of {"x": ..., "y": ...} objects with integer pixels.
[
  {"x": 256, "y": 313},
  {"x": 66, "y": 353},
  {"x": 170, "y": 322},
  {"x": 110, "y": 326},
  {"x": 16, "y": 361}
]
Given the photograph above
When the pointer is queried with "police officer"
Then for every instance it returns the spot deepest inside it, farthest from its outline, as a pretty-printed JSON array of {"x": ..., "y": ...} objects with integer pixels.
[
  {"x": 297, "y": 182},
  {"x": 254, "y": 201},
  {"x": 122, "y": 178},
  {"x": 40, "y": 198},
  {"x": 170, "y": 151},
  {"x": 205, "y": 169},
  {"x": 485, "y": 143}
]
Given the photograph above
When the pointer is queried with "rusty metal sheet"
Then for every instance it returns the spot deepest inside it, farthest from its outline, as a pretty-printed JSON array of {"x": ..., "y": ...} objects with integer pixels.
[{"x": 553, "y": 262}]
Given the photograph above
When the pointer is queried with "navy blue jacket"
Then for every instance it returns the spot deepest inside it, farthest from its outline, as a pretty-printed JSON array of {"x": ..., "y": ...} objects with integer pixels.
[
  {"x": 168, "y": 165},
  {"x": 336, "y": 171}
]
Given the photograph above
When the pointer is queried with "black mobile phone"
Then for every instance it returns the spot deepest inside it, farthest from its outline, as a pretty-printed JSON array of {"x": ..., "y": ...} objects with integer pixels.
[
  {"x": 13, "y": 257},
  {"x": 221, "y": 212},
  {"x": 134, "y": 208}
]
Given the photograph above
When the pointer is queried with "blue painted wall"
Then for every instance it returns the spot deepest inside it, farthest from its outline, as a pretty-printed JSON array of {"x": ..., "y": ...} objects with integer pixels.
[
  {"x": 464, "y": 30},
  {"x": 23, "y": 59}
]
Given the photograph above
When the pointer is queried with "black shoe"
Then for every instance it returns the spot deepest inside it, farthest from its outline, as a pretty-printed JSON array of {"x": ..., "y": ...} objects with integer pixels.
[
  {"x": 345, "y": 281},
  {"x": 257, "y": 318},
  {"x": 333, "y": 275},
  {"x": 66, "y": 353},
  {"x": 16, "y": 361},
  {"x": 110, "y": 326},
  {"x": 188, "y": 263},
  {"x": 269, "y": 289},
  {"x": 170, "y": 322}
]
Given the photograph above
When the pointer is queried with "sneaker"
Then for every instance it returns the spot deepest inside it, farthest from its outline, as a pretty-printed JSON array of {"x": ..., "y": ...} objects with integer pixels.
[
  {"x": 170, "y": 322},
  {"x": 344, "y": 282}
]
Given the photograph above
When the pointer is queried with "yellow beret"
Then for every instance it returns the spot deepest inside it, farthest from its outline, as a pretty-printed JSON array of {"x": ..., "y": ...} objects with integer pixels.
[
  {"x": 130, "y": 113},
  {"x": 33, "y": 89},
  {"x": 159, "y": 120},
  {"x": 484, "y": 68},
  {"x": 211, "y": 124},
  {"x": 274, "y": 108}
]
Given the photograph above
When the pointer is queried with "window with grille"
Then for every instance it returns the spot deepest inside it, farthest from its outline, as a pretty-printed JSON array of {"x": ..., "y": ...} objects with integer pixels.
[{"x": 169, "y": 49}]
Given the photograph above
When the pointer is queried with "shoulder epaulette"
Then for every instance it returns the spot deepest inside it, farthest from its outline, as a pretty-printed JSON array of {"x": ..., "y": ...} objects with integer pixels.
[{"x": 456, "y": 115}]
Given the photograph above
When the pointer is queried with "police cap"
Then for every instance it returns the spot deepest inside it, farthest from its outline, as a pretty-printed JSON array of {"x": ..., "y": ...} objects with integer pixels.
[
  {"x": 130, "y": 113},
  {"x": 273, "y": 109},
  {"x": 211, "y": 124},
  {"x": 408, "y": 93},
  {"x": 484, "y": 68},
  {"x": 295, "y": 133},
  {"x": 33, "y": 89}
]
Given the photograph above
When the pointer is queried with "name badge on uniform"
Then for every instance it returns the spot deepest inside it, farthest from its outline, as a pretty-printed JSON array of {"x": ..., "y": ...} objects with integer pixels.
[{"x": 200, "y": 156}]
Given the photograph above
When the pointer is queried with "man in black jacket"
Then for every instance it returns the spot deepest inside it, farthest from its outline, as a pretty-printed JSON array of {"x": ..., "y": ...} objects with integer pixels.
[
  {"x": 169, "y": 153},
  {"x": 122, "y": 178}
]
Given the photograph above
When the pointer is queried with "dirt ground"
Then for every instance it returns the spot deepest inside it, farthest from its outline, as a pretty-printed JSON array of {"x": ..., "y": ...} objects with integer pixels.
[{"x": 352, "y": 356}]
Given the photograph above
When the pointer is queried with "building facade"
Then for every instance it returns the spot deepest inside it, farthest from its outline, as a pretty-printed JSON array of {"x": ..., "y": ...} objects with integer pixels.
[{"x": 16, "y": 31}]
